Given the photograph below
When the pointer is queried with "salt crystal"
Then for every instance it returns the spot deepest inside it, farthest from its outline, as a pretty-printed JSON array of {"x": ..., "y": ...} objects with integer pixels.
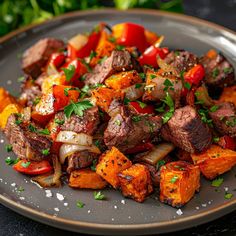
[
  {"x": 48, "y": 193},
  {"x": 179, "y": 212},
  {"x": 22, "y": 198},
  {"x": 226, "y": 189},
  {"x": 13, "y": 184},
  {"x": 123, "y": 201},
  {"x": 56, "y": 209},
  {"x": 89, "y": 211},
  {"x": 204, "y": 205},
  {"x": 2, "y": 141},
  {"x": 65, "y": 203},
  {"x": 115, "y": 207},
  {"x": 60, "y": 197},
  {"x": 112, "y": 219},
  {"x": 197, "y": 208}
]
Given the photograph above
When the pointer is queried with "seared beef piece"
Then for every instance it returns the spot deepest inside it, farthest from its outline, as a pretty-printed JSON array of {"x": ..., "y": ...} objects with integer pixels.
[
  {"x": 224, "y": 119},
  {"x": 25, "y": 143},
  {"x": 183, "y": 155},
  {"x": 36, "y": 57},
  {"x": 126, "y": 130},
  {"x": 30, "y": 91},
  {"x": 118, "y": 61},
  {"x": 114, "y": 108},
  {"x": 181, "y": 60},
  {"x": 87, "y": 123},
  {"x": 219, "y": 73},
  {"x": 186, "y": 130},
  {"x": 80, "y": 160}
]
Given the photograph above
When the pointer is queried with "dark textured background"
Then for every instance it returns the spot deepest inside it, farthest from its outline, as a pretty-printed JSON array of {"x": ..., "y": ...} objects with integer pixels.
[{"x": 11, "y": 223}]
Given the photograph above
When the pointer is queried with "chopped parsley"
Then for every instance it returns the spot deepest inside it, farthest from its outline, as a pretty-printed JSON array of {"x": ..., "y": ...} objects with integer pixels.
[
  {"x": 46, "y": 152},
  {"x": 170, "y": 103},
  {"x": 93, "y": 166},
  {"x": 187, "y": 85},
  {"x": 80, "y": 204},
  {"x": 21, "y": 79},
  {"x": 176, "y": 53},
  {"x": 160, "y": 164},
  {"x": 69, "y": 72},
  {"x": 126, "y": 101},
  {"x": 136, "y": 118},
  {"x": 152, "y": 76},
  {"x": 100, "y": 61},
  {"x": 231, "y": 123},
  {"x": 215, "y": 72},
  {"x": 217, "y": 182},
  {"x": 112, "y": 39},
  {"x": 25, "y": 164},
  {"x": 92, "y": 55},
  {"x": 9, "y": 161},
  {"x": 118, "y": 122},
  {"x": 214, "y": 108},
  {"x": 168, "y": 83},
  {"x": 161, "y": 108},
  {"x": 77, "y": 108},
  {"x": 174, "y": 179},
  {"x": 99, "y": 196},
  {"x": 20, "y": 189},
  {"x": 141, "y": 104},
  {"x": 36, "y": 101},
  {"x": 142, "y": 76},
  {"x": 204, "y": 116},
  {"x": 8, "y": 147},
  {"x": 18, "y": 121},
  {"x": 216, "y": 139},
  {"x": 120, "y": 47},
  {"x": 228, "y": 70},
  {"x": 228, "y": 196},
  {"x": 138, "y": 86},
  {"x": 59, "y": 122},
  {"x": 32, "y": 128},
  {"x": 44, "y": 131}
]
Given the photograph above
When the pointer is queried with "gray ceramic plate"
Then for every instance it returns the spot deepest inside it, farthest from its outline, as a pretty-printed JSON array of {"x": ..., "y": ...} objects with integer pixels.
[{"x": 116, "y": 215}]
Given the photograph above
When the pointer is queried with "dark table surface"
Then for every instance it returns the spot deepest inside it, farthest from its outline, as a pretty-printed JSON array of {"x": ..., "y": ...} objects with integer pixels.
[{"x": 11, "y": 223}]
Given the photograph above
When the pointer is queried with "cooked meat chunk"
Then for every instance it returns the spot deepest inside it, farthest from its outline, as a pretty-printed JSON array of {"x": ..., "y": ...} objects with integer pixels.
[
  {"x": 117, "y": 62},
  {"x": 219, "y": 73},
  {"x": 224, "y": 119},
  {"x": 80, "y": 160},
  {"x": 181, "y": 60},
  {"x": 126, "y": 130},
  {"x": 87, "y": 123},
  {"x": 186, "y": 130},
  {"x": 36, "y": 57},
  {"x": 25, "y": 143}
]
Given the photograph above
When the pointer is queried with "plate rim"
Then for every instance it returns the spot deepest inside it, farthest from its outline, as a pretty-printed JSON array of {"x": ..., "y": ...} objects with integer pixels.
[{"x": 78, "y": 226}]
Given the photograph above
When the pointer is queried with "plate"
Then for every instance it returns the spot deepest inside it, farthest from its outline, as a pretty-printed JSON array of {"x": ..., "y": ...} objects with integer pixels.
[{"x": 116, "y": 215}]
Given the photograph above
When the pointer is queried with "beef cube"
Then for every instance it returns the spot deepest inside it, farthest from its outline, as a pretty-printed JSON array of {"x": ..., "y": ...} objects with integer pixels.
[
  {"x": 224, "y": 119},
  {"x": 79, "y": 160},
  {"x": 186, "y": 130},
  {"x": 178, "y": 182},
  {"x": 25, "y": 143},
  {"x": 117, "y": 62},
  {"x": 87, "y": 123},
  {"x": 126, "y": 130},
  {"x": 215, "y": 161},
  {"x": 135, "y": 182},
  {"x": 36, "y": 57},
  {"x": 219, "y": 73},
  {"x": 181, "y": 60}
]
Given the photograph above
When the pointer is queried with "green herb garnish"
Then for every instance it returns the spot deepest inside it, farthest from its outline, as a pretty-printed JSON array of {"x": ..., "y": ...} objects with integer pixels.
[
  {"x": 120, "y": 47},
  {"x": 59, "y": 122},
  {"x": 69, "y": 72},
  {"x": 136, "y": 118},
  {"x": 215, "y": 72},
  {"x": 93, "y": 166},
  {"x": 170, "y": 103},
  {"x": 8, "y": 147},
  {"x": 21, "y": 79},
  {"x": 25, "y": 164},
  {"x": 80, "y": 204},
  {"x": 214, "y": 108},
  {"x": 174, "y": 179},
  {"x": 217, "y": 182},
  {"x": 46, "y": 152},
  {"x": 228, "y": 196},
  {"x": 138, "y": 86},
  {"x": 32, "y": 128},
  {"x": 44, "y": 131},
  {"x": 99, "y": 196}
]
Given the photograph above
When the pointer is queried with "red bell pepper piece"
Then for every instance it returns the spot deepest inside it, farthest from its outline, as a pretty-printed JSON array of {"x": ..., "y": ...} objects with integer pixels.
[
  {"x": 227, "y": 142},
  {"x": 133, "y": 35},
  {"x": 195, "y": 75},
  {"x": 63, "y": 95},
  {"x": 149, "y": 57},
  {"x": 33, "y": 167},
  {"x": 140, "y": 148},
  {"x": 57, "y": 59},
  {"x": 142, "y": 108}
]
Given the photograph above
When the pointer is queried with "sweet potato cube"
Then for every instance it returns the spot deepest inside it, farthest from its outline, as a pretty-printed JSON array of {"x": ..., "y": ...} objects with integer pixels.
[
  {"x": 178, "y": 182},
  {"x": 110, "y": 164},
  {"x": 135, "y": 182},
  {"x": 5, "y": 99},
  {"x": 215, "y": 161},
  {"x": 123, "y": 79},
  {"x": 86, "y": 178}
]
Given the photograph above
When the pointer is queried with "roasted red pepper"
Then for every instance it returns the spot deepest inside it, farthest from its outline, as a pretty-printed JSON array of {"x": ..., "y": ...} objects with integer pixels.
[
  {"x": 63, "y": 95},
  {"x": 149, "y": 57},
  {"x": 227, "y": 142},
  {"x": 142, "y": 108},
  {"x": 57, "y": 59},
  {"x": 140, "y": 148},
  {"x": 195, "y": 75},
  {"x": 132, "y": 35},
  {"x": 33, "y": 167}
]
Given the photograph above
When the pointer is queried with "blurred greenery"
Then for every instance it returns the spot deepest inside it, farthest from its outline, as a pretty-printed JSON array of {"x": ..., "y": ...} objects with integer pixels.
[{"x": 18, "y": 13}]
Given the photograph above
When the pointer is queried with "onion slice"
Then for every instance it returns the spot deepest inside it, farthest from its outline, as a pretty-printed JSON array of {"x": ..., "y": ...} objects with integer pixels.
[
  {"x": 165, "y": 67},
  {"x": 133, "y": 92},
  {"x": 71, "y": 137}
]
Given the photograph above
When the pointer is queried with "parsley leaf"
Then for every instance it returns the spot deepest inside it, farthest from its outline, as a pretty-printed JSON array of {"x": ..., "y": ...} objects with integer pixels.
[
  {"x": 8, "y": 147},
  {"x": 77, "y": 108},
  {"x": 59, "y": 122},
  {"x": 92, "y": 55},
  {"x": 46, "y": 152},
  {"x": 174, "y": 179},
  {"x": 141, "y": 104},
  {"x": 152, "y": 76},
  {"x": 25, "y": 164},
  {"x": 93, "y": 166},
  {"x": 160, "y": 164},
  {"x": 100, "y": 61},
  {"x": 228, "y": 70},
  {"x": 20, "y": 189},
  {"x": 214, "y": 108},
  {"x": 120, "y": 47},
  {"x": 69, "y": 72},
  {"x": 228, "y": 196},
  {"x": 217, "y": 182},
  {"x": 187, "y": 85},
  {"x": 142, "y": 76},
  {"x": 32, "y": 128},
  {"x": 36, "y": 101},
  {"x": 216, "y": 139},
  {"x": 138, "y": 86},
  {"x": 112, "y": 39},
  {"x": 170, "y": 103},
  {"x": 21, "y": 79},
  {"x": 99, "y": 196},
  {"x": 215, "y": 72},
  {"x": 18, "y": 121},
  {"x": 80, "y": 204},
  {"x": 9, "y": 161},
  {"x": 136, "y": 118},
  {"x": 44, "y": 131}
]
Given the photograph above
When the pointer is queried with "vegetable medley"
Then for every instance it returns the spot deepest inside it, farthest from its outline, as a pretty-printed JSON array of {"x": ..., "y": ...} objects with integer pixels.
[{"x": 116, "y": 108}]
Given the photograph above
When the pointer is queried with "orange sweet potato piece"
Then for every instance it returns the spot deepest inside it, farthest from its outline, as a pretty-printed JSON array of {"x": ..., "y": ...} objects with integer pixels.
[
  {"x": 135, "y": 182},
  {"x": 123, "y": 80},
  {"x": 5, "y": 99},
  {"x": 86, "y": 178},
  {"x": 104, "y": 97},
  {"x": 229, "y": 95},
  {"x": 215, "y": 161},
  {"x": 178, "y": 182},
  {"x": 110, "y": 164}
]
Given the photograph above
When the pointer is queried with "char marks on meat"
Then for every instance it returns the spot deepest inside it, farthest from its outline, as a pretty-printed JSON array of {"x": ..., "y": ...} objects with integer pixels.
[
  {"x": 36, "y": 57},
  {"x": 117, "y": 62},
  {"x": 224, "y": 119},
  {"x": 126, "y": 130},
  {"x": 219, "y": 73},
  {"x": 88, "y": 123},
  {"x": 80, "y": 160},
  {"x": 25, "y": 143},
  {"x": 186, "y": 130}
]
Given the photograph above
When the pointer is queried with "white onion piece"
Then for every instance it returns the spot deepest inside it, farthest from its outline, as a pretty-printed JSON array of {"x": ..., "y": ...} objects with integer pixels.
[
  {"x": 26, "y": 113},
  {"x": 166, "y": 67},
  {"x": 74, "y": 138},
  {"x": 68, "y": 149},
  {"x": 133, "y": 93},
  {"x": 78, "y": 41}
]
